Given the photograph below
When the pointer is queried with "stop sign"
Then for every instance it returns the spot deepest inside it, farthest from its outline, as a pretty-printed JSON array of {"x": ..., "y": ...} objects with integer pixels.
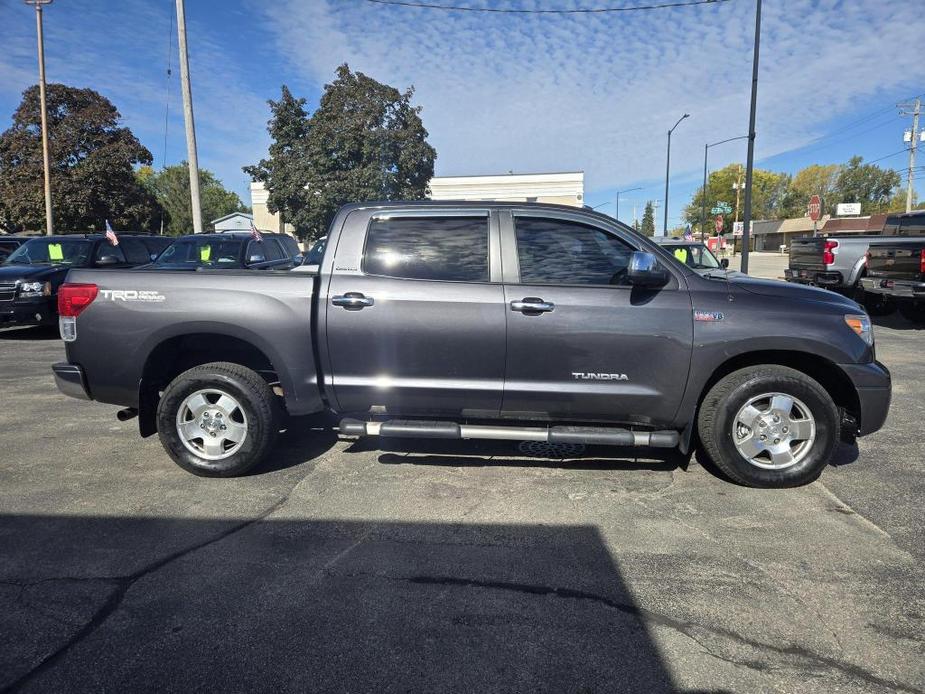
[
  {"x": 815, "y": 208},
  {"x": 719, "y": 223}
]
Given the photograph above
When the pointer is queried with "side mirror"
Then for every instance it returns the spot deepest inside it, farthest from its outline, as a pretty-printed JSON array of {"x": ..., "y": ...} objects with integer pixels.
[
  {"x": 724, "y": 263},
  {"x": 644, "y": 271},
  {"x": 254, "y": 259},
  {"x": 108, "y": 261}
]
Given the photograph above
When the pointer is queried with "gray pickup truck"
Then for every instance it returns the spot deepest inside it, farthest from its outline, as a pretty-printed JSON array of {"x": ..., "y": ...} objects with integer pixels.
[
  {"x": 839, "y": 262},
  {"x": 481, "y": 320}
]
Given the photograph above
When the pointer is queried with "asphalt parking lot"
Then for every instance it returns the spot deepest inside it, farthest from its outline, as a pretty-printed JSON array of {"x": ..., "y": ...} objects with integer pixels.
[{"x": 388, "y": 566}]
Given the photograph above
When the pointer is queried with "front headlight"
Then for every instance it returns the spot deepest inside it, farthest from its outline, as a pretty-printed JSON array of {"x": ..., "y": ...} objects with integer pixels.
[
  {"x": 34, "y": 289},
  {"x": 860, "y": 323}
]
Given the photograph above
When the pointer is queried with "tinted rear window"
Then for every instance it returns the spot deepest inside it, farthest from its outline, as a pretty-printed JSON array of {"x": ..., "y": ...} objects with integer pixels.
[{"x": 451, "y": 249}]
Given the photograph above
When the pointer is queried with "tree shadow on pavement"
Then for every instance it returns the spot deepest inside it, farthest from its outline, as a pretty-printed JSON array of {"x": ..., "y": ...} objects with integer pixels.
[
  {"x": 896, "y": 322},
  {"x": 166, "y": 604}
]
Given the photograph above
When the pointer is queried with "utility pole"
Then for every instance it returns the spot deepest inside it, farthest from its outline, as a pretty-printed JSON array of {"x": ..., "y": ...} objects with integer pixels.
[
  {"x": 46, "y": 156},
  {"x": 193, "y": 158},
  {"x": 913, "y": 145},
  {"x": 668, "y": 171},
  {"x": 750, "y": 162}
]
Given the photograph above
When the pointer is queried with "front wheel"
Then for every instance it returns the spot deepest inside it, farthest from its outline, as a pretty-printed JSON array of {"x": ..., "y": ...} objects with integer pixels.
[
  {"x": 217, "y": 420},
  {"x": 769, "y": 426}
]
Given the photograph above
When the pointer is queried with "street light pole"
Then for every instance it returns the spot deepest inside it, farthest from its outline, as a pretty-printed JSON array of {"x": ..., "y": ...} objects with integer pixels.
[
  {"x": 46, "y": 156},
  {"x": 668, "y": 171},
  {"x": 192, "y": 156},
  {"x": 750, "y": 162},
  {"x": 628, "y": 190},
  {"x": 703, "y": 193}
]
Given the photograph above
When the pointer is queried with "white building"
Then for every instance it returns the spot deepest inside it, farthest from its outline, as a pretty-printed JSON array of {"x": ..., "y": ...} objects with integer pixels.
[
  {"x": 565, "y": 188},
  {"x": 236, "y": 221}
]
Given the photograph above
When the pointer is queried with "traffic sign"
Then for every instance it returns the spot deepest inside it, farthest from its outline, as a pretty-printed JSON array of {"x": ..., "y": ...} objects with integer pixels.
[
  {"x": 722, "y": 208},
  {"x": 719, "y": 223},
  {"x": 738, "y": 228},
  {"x": 815, "y": 208}
]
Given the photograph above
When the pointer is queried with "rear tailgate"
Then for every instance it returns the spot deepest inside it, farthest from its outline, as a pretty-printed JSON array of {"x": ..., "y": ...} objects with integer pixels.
[
  {"x": 806, "y": 254},
  {"x": 896, "y": 262}
]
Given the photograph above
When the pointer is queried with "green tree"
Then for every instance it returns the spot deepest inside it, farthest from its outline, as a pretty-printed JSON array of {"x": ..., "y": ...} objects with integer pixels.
[
  {"x": 171, "y": 188},
  {"x": 93, "y": 163},
  {"x": 769, "y": 195},
  {"x": 283, "y": 172},
  {"x": 364, "y": 142},
  {"x": 648, "y": 220},
  {"x": 816, "y": 179},
  {"x": 867, "y": 184}
]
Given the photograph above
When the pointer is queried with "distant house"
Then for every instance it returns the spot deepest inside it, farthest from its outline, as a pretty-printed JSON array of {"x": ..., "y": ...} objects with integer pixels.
[
  {"x": 236, "y": 221},
  {"x": 770, "y": 235},
  {"x": 855, "y": 225}
]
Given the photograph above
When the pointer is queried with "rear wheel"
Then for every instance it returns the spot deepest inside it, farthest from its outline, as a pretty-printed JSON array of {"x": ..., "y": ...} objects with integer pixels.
[
  {"x": 217, "y": 420},
  {"x": 913, "y": 311},
  {"x": 876, "y": 304},
  {"x": 769, "y": 426}
]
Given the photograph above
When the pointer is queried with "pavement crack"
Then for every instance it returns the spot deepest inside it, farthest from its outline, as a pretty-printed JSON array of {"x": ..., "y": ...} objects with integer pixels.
[
  {"x": 122, "y": 584},
  {"x": 688, "y": 629}
]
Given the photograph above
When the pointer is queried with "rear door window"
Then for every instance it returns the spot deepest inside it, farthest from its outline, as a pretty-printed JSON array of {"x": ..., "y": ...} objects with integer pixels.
[
  {"x": 104, "y": 249},
  {"x": 444, "y": 248}
]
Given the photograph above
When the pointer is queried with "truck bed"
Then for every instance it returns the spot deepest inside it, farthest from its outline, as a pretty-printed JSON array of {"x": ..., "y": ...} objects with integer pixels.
[{"x": 146, "y": 308}]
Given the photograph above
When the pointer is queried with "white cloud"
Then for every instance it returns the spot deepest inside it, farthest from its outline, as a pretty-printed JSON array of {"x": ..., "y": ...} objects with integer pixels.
[{"x": 598, "y": 92}]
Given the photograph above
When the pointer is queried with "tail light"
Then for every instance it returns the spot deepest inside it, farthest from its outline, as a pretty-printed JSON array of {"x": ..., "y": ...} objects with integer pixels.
[
  {"x": 922, "y": 261},
  {"x": 828, "y": 253},
  {"x": 74, "y": 298}
]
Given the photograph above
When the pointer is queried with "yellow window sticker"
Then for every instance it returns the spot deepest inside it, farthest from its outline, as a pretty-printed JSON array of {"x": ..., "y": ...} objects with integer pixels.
[
  {"x": 205, "y": 252},
  {"x": 55, "y": 252}
]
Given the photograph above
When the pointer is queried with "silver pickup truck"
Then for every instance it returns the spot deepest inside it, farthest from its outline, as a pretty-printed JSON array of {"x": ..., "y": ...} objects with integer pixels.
[{"x": 839, "y": 263}]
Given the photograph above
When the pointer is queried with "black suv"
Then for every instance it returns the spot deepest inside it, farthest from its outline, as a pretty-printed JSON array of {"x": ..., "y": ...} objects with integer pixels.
[
  {"x": 230, "y": 250},
  {"x": 30, "y": 276}
]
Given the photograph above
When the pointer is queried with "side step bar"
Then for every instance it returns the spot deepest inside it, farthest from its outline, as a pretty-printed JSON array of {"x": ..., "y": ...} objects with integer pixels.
[{"x": 424, "y": 429}]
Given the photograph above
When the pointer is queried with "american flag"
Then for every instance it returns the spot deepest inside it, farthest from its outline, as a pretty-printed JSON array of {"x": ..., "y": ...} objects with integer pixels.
[
  {"x": 111, "y": 235},
  {"x": 688, "y": 236},
  {"x": 255, "y": 233}
]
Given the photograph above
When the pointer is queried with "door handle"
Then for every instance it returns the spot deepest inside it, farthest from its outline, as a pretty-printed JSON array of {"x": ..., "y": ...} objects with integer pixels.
[
  {"x": 352, "y": 301},
  {"x": 532, "y": 304}
]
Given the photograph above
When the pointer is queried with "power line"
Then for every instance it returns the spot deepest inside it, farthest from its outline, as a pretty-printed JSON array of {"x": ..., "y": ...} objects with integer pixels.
[
  {"x": 511, "y": 10},
  {"x": 887, "y": 156}
]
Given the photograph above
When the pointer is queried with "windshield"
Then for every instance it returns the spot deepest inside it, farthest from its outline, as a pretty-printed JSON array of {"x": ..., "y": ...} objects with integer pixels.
[
  {"x": 207, "y": 252},
  {"x": 696, "y": 256},
  {"x": 55, "y": 251}
]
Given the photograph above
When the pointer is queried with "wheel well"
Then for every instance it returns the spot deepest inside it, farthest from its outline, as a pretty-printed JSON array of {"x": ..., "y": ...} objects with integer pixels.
[
  {"x": 826, "y": 373},
  {"x": 178, "y": 354}
]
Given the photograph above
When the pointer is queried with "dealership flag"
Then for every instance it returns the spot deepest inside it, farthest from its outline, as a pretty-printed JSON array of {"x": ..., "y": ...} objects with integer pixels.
[
  {"x": 256, "y": 234},
  {"x": 111, "y": 235}
]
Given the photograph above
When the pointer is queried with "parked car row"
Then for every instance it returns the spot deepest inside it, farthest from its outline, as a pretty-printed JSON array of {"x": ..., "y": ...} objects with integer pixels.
[
  {"x": 864, "y": 266},
  {"x": 32, "y": 269}
]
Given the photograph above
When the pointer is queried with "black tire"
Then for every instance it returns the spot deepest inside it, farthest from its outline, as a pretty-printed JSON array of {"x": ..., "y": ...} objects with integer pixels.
[
  {"x": 258, "y": 411},
  {"x": 913, "y": 311},
  {"x": 877, "y": 304},
  {"x": 723, "y": 402}
]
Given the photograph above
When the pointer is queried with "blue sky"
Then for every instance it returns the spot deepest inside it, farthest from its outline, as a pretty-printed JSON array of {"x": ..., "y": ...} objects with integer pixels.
[{"x": 504, "y": 92}]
